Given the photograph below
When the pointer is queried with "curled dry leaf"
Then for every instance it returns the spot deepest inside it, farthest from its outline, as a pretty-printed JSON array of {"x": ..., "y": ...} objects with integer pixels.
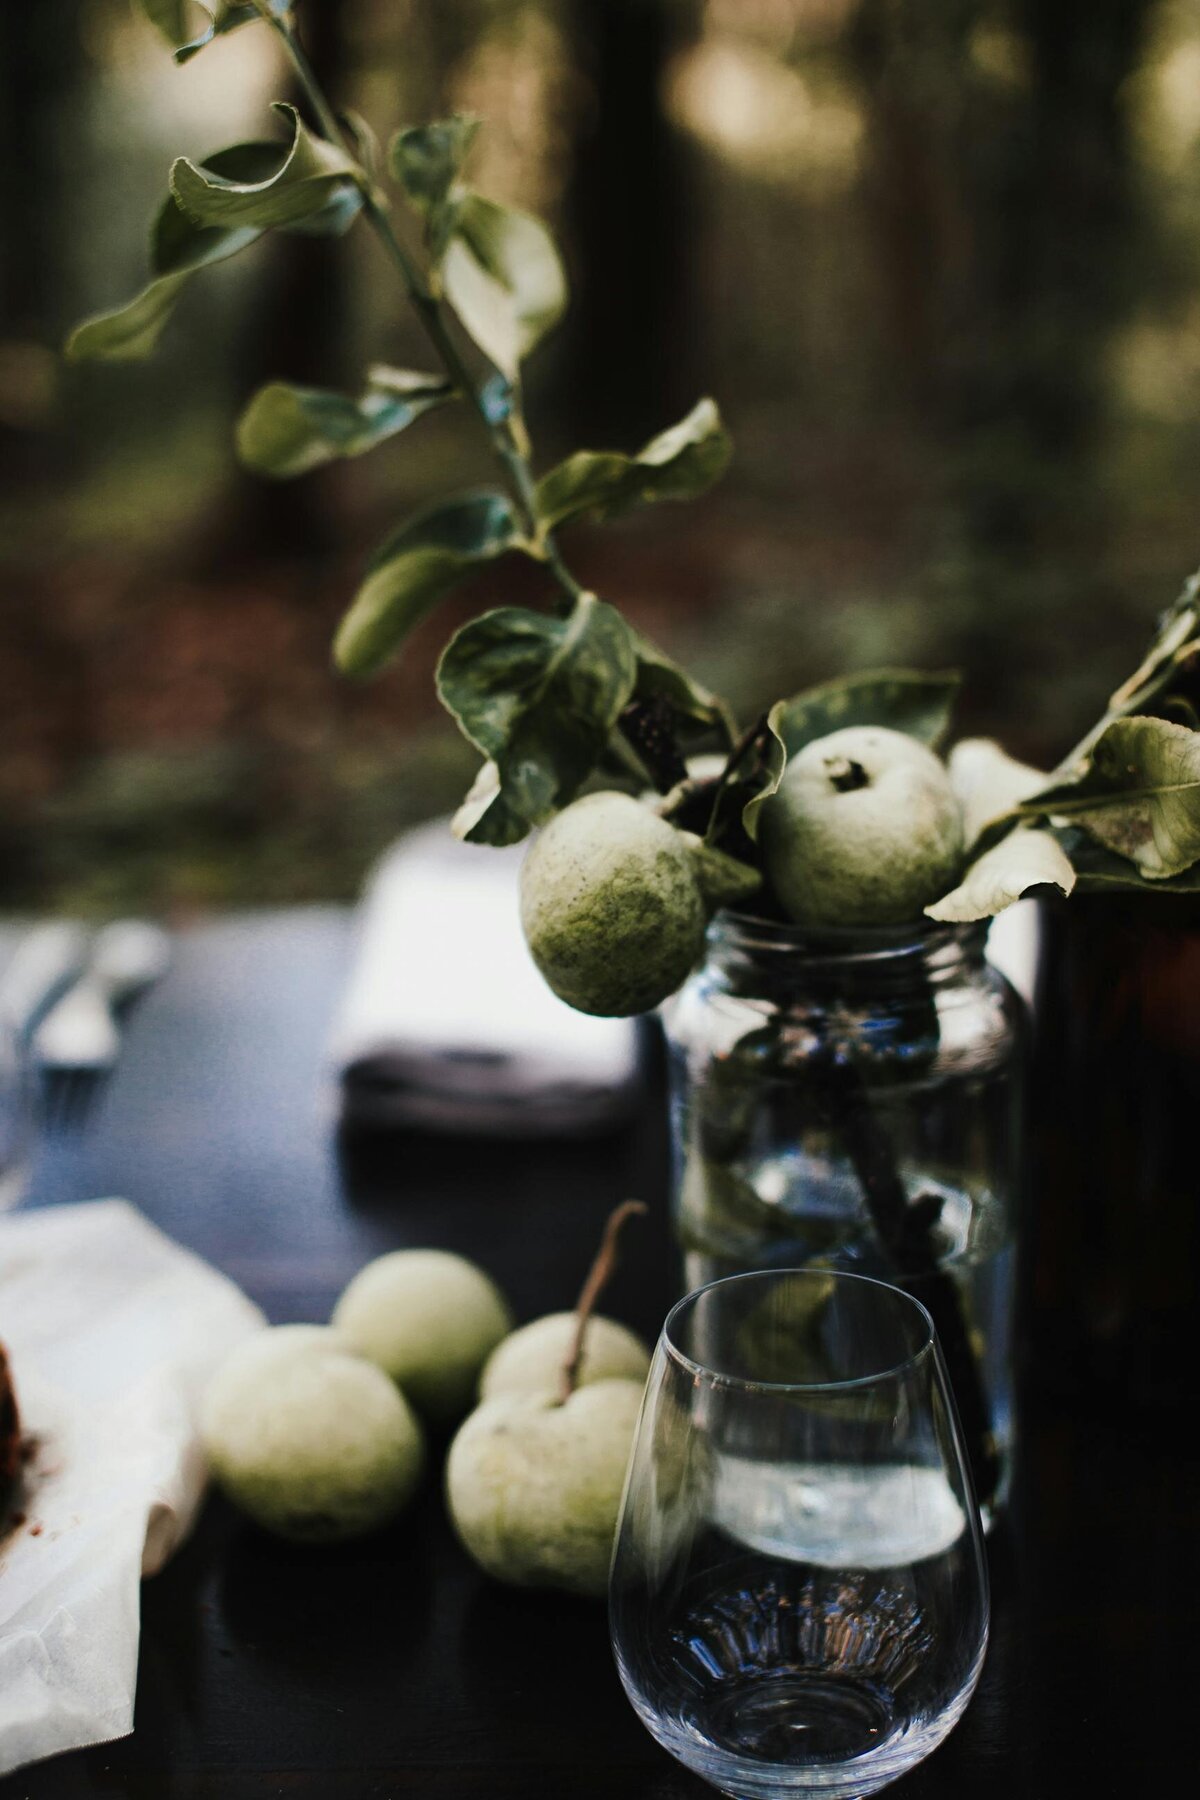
[{"x": 1023, "y": 860}]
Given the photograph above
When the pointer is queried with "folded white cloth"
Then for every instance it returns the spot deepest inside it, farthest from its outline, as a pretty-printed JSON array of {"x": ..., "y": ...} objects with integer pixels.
[
  {"x": 446, "y": 1021},
  {"x": 112, "y": 1332}
]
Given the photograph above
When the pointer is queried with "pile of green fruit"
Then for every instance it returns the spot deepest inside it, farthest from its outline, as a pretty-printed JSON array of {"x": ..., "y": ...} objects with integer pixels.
[{"x": 319, "y": 1432}]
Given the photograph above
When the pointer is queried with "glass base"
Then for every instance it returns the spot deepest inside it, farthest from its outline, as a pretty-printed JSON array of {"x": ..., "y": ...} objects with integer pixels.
[
  {"x": 797, "y": 1718},
  {"x": 792, "y": 1735}
]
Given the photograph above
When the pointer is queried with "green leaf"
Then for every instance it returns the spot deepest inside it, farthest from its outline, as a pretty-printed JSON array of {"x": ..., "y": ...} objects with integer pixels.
[
  {"x": 408, "y": 384},
  {"x": 316, "y": 180},
  {"x": 774, "y": 762},
  {"x": 364, "y": 140},
  {"x": 1099, "y": 871},
  {"x": 1138, "y": 796},
  {"x": 675, "y": 465},
  {"x": 1021, "y": 861},
  {"x": 411, "y": 571},
  {"x": 1176, "y": 634},
  {"x": 502, "y": 274},
  {"x": 539, "y": 697},
  {"x": 900, "y": 699},
  {"x": 1174, "y": 647},
  {"x": 660, "y": 678},
  {"x": 504, "y": 825},
  {"x": 131, "y": 331},
  {"x": 174, "y": 19},
  {"x": 171, "y": 18},
  {"x": 427, "y": 159},
  {"x": 287, "y": 430},
  {"x": 178, "y": 247}
]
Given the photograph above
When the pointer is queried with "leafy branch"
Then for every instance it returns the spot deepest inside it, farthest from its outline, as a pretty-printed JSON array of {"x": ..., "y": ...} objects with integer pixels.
[
  {"x": 549, "y": 700},
  {"x": 543, "y": 702}
]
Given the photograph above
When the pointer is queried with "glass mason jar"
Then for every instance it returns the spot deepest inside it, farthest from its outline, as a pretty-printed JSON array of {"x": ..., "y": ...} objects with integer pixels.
[{"x": 853, "y": 1102}]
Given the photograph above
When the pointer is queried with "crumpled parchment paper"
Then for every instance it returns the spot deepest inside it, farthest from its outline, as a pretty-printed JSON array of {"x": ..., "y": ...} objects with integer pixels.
[{"x": 112, "y": 1332}]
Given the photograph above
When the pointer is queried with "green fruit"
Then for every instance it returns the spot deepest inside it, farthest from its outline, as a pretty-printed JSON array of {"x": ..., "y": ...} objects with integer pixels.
[
  {"x": 864, "y": 830},
  {"x": 531, "y": 1360},
  {"x": 430, "y": 1320},
  {"x": 534, "y": 1487},
  {"x": 307, "y": 1438},
  {"x": 615, "y": 902}
]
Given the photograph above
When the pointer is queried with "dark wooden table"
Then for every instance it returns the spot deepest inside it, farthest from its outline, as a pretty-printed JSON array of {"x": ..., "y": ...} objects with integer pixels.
[{"x": 391, "y": 1668}]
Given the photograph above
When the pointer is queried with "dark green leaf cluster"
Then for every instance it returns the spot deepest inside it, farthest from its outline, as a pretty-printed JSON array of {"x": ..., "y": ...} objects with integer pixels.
[
  {"x": 540, "y": 695},
  {"x": 1124, "y": 806},
  {"x": 549, "y": 698},
  {"x": 214, "y": 210}
]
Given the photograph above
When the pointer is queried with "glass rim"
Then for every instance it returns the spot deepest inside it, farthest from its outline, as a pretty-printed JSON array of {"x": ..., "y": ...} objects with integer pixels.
[{"x": 841, "y": 1384}]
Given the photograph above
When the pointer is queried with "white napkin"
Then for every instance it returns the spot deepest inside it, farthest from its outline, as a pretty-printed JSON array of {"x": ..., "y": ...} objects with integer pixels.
[
  {"x": 112, "y": 1332},
  {"x": 446, "y": 1021}
]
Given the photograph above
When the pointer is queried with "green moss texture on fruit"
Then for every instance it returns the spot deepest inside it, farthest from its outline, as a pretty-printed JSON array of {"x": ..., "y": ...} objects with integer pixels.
[
  {"x": 611, "y": 905},
  {"x": 531, "y": 1361},
  {"x": 313, "y": 1442},
  {"x": 864, "y": 830},
  {"x": 430, "y": 1320},
  {"x": 534, "y": 1487}
]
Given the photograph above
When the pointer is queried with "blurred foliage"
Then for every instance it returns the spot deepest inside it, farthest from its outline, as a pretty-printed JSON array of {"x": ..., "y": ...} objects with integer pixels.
[{"x": 939, "y": 261}]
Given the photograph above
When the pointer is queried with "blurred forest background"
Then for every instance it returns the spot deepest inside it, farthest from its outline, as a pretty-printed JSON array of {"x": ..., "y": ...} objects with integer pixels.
[{"x": 938, "y": 260}]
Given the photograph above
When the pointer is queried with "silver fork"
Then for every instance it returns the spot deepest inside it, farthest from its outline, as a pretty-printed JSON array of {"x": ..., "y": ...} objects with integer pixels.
[{"x": 77, "y": 1043}]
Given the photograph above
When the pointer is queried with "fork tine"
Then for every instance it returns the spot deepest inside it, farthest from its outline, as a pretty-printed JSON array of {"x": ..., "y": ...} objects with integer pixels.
[
  {"x": 69, "y": 1098},
  {"x": 53, "y": 1100},
  {"x": 88, "y": 1091}
]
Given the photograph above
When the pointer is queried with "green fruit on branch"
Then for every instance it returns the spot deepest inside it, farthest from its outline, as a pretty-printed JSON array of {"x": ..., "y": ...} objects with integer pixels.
[
  {"x": 546, "y": 698},
  {"x": 430, "y": 1320},
  {"x": 310, "y": 1440},
  {"x": 534, "y": 1484},
  {"x": 531, "y": 1360},
  {"x": 865, "y": 829},
  {"x": 615, "y": 903}
]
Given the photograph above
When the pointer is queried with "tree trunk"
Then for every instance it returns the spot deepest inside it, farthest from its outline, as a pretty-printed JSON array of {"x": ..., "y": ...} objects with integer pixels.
[{"x": 630, "y": 355}]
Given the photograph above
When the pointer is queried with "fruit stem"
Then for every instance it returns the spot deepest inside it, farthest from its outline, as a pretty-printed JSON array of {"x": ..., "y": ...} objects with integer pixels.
[
  {"x": 598, "y": 1277},
  {"x": 845, "y": 774}
]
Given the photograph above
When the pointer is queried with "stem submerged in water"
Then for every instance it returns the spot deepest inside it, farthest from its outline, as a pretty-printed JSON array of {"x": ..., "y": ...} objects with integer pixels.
[{"x": 905, "y": 1228}]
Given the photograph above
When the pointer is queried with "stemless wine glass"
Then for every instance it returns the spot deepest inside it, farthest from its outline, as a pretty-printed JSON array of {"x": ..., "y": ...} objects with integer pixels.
[{"x": 798, "y": 1599}]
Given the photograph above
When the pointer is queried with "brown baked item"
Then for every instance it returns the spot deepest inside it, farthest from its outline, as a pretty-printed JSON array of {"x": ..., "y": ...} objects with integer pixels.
[{"x": 10, "y": 1427}]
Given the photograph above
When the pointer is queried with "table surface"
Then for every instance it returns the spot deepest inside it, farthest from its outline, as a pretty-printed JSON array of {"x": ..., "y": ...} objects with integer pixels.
[{"x": 391, "y": 1667}]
